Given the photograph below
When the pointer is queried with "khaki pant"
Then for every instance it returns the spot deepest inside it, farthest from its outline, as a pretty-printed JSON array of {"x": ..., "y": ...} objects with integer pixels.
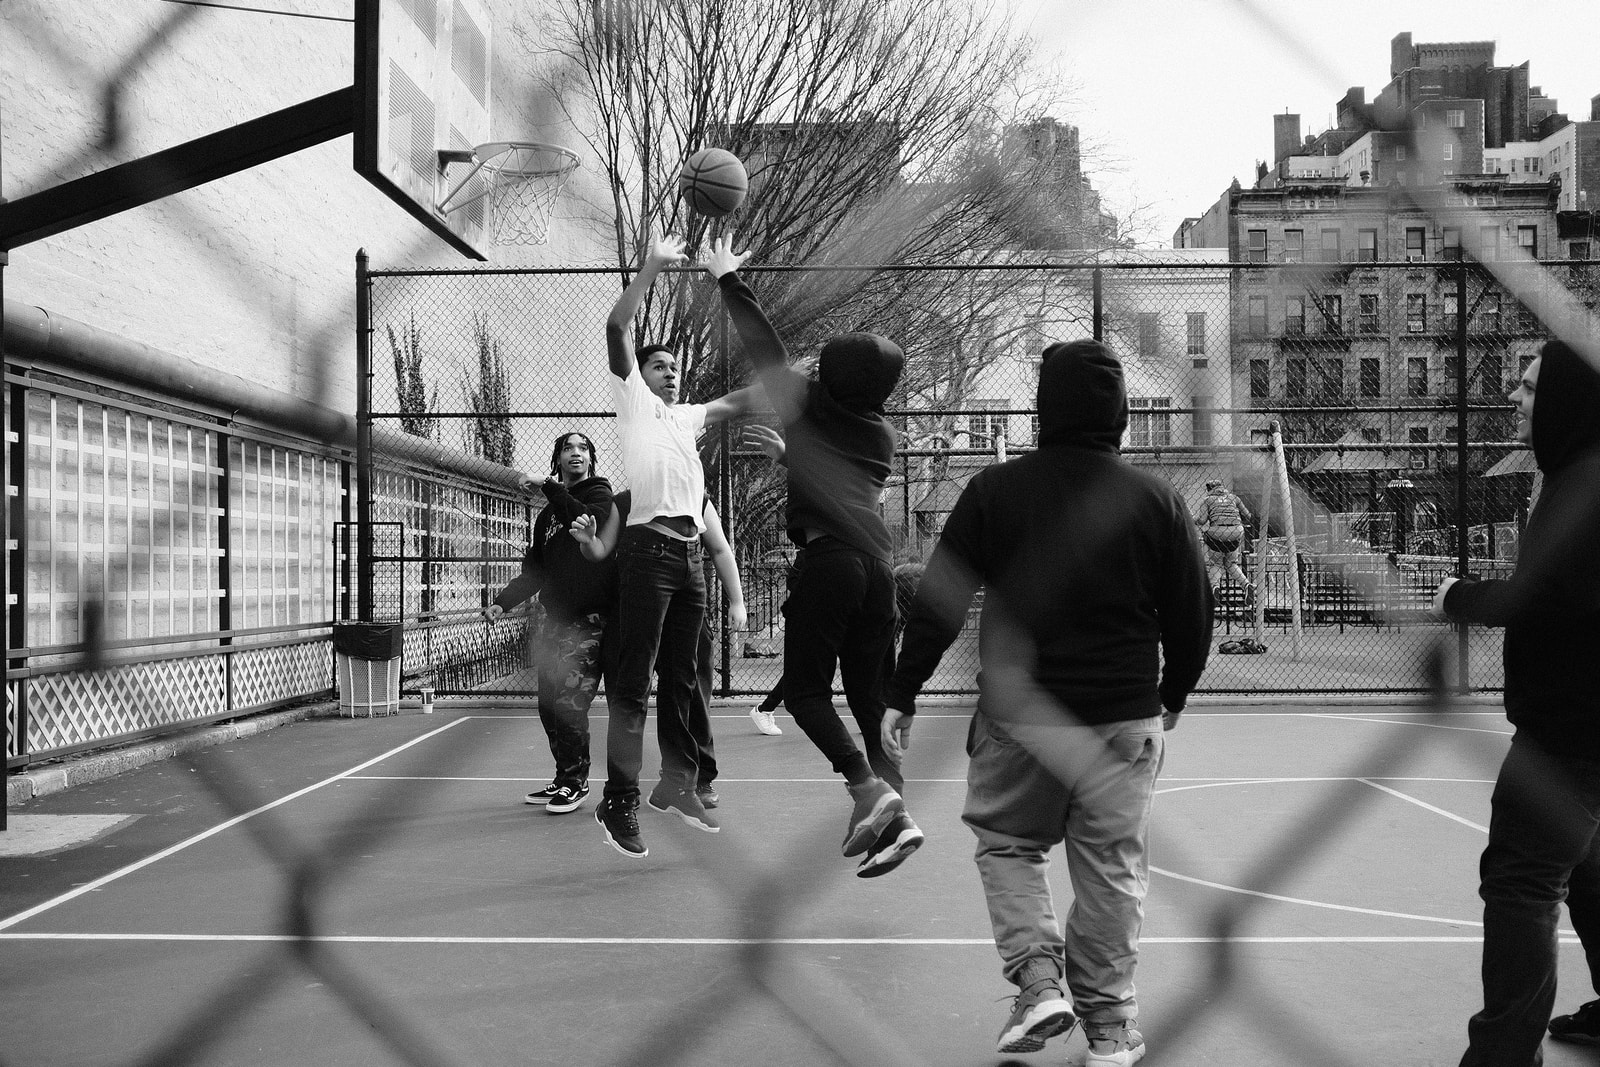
[{"x": 1032, "y": 785}]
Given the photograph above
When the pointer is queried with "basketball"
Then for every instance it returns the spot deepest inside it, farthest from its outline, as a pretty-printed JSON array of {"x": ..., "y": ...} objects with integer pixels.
[{"x": 713, "y": 182}]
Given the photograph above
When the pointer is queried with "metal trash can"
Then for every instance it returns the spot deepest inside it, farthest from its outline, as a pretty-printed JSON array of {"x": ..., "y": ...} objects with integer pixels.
[{"x": 367, "y": 659}]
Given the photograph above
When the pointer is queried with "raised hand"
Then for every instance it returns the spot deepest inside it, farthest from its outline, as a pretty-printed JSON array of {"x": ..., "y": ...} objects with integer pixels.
[
  {"x": 666, "y": 252},
  {"x": 584, "y": 529},
  {"x": 768, "y": 440},
  {"x": 722, "y": 259}
]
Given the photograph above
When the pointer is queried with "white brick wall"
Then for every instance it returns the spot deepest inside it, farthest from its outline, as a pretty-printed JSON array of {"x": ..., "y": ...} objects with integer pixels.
[{"x": 253, "y": 273}]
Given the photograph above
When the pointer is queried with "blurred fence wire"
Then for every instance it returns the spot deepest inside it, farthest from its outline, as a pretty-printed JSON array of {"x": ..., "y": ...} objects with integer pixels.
[{"x": 171, "y": 566}]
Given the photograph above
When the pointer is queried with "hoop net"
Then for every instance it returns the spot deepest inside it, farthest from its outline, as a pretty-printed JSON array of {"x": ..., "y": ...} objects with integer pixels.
[{"x": 524, "y": 181}]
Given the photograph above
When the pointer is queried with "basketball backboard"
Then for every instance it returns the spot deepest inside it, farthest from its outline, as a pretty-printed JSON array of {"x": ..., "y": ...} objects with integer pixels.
[{"x": 422, "y": 87}]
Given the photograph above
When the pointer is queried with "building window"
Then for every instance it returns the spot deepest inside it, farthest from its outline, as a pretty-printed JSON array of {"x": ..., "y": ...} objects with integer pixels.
[
  {"x": 1455, "y": 118},
  {"x": 1528, "y": 240},
  {"x": 1371, "y": 376},
  {"x": 1449, "y": 151},
  {"x": 1367, "y": 313},
  {"x": 1399, "y": 151},
  {"x": 1417, "y": 376},
  {"x": 1148, "y": 427},
  {"x": 984, "y": 427},
  {"x": 1489, "y": 242},
  {"x": 1371, "y": 434},
  {"x": 1416, "y": 243},
  {"x": 1294, "y": 314},
  {"x": 1416, "y": 313},
  {"x": 1329, "y": 384},
  {"x": 1294, "y": 246},
  {"x": 1491, "y": 374},
  {"x": 1260, "y": 379},
  {"x": 1196, "y": 323},
  {"x": 1333, "y": 313},
  {"x": 1330, "y": 246},
  {"x": 1450, "y": 240},
  {"x": 1489, "y": 313},
  {"x": 1149, "y": 335},
  {"x": 1256, "y": 246},
  {"x": 1418, "y": 435},
  {"x": 1367, "y": 246},
  {"x": 1258, "y": 315},
  {"x": 1294, "y": 379},
  {"x": 1452, "y": 312},
  {"x": 1202, "y": 419}
]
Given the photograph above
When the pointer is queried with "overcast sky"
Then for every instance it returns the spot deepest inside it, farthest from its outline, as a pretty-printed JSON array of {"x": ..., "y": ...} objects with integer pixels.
[{"x": 1180, "y": 94}]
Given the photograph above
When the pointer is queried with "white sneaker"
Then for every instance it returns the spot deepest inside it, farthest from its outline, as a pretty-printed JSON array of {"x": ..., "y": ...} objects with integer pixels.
[
  {"x": 1113, "y": 1044},
  {"x": 766, "y": 722}
]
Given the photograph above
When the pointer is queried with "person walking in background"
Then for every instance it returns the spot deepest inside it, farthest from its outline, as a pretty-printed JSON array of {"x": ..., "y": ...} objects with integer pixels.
[
  {"x": 578, "y": 599},
  {"x": 1544, "y": 825},
  {"x": 1095, "y": 629},
  {"x": 1222, "y": 520},
  {"x": 661, "y": 591},
  {"x": 840, "y": 611}
]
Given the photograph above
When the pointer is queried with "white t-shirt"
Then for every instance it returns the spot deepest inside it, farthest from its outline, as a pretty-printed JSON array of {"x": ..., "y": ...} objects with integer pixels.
[{"x": 658, "y": 451}]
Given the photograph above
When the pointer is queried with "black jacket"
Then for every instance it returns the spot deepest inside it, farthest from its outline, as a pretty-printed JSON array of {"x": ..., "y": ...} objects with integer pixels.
[
  {"x": 1550, "y": 606},
  {"x": 1095, "y": 591},
  {"x": 840, "y": 448},
  {"x": 554, "y": 568}
]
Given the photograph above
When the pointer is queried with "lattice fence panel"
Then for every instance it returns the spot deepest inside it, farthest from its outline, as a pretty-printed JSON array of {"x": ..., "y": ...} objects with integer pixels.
[
  {"x": 79, "y": 707},
  {"x": 269, "y": 675}
]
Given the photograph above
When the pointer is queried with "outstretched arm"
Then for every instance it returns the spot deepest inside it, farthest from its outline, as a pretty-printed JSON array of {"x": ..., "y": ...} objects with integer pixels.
[
  {"x": 732, "y": 405},
  {"x": 619, "y": 324},
  {"x": 727, "y": 567},
  {"x": 596, "y": 540}
]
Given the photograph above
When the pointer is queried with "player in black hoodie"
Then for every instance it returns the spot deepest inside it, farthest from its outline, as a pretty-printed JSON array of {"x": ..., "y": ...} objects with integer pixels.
[
  {"x": 840, "y": 612},
  {"x": 1544, "y": 828},
  {"x": 577, "y": 597},
  {"x": 1096, "y": 625}
]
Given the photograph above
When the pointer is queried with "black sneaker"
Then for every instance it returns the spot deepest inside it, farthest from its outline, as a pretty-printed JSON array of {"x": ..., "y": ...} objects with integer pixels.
[
  {"x": 541, "y": 796},
  {"x": 685, "y": 804},
  {"x": 708, "y": 796},
  {"x": 1582, "y": 1027},
  {"x": 621, "y": 826},
  {"x": 567, "y": 798},
  {"x": 893, "y": 847}
]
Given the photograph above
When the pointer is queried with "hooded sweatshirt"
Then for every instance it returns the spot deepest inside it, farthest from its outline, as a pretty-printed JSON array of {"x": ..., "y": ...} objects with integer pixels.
[
  {"x": 840, "y": 448},
  {"x": 568, "y": 585},
  {"x": 1550, "y": 606},
  {"x": 1095, "y": 590}
]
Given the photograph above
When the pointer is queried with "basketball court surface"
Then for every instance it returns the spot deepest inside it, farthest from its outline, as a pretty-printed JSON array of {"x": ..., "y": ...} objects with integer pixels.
[{"x": 291, "y": 897}]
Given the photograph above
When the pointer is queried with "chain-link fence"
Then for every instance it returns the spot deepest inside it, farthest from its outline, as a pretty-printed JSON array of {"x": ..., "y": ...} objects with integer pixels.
[{"x": 1387, "y": 383}]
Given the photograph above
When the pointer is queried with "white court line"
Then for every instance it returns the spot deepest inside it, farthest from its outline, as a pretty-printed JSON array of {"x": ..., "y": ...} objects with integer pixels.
[
  {"x": 1452, "y": 816},
  {"x": 907, "y": 942},
  {"x": 1313, "y": 903},
  {"x": 90, "y": 887},
  {"x": 1397, "y": 722}
]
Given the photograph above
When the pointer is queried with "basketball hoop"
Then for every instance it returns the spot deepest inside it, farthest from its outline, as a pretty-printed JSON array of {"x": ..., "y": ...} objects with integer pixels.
[{"x": 521, "y": 180}]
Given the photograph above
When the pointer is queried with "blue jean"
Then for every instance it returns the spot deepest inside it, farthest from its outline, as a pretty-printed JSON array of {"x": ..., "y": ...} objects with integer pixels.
[
  {"x": 1031, "y": 785},
  {"x": 661, "y": 603},
  {"x": 1544, "y": 847},
  {"x": 840, "y": 615}
]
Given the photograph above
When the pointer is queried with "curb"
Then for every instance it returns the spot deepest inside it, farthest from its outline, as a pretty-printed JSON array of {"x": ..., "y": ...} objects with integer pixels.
[{"x": 43, "y": 780}]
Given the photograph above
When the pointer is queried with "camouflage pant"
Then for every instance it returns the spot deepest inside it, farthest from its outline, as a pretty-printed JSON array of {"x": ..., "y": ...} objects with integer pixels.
[{"x": 569, "y": 664}]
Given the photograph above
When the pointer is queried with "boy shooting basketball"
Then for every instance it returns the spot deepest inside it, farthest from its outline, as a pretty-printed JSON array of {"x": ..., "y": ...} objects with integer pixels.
[
  {"x": 840, "y": 612},
  {"x": 660, "y": 580}
]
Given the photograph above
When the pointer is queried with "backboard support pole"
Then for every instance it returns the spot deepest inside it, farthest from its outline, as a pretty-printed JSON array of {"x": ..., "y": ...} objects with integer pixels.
[{"x": 174, "y": 170}]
